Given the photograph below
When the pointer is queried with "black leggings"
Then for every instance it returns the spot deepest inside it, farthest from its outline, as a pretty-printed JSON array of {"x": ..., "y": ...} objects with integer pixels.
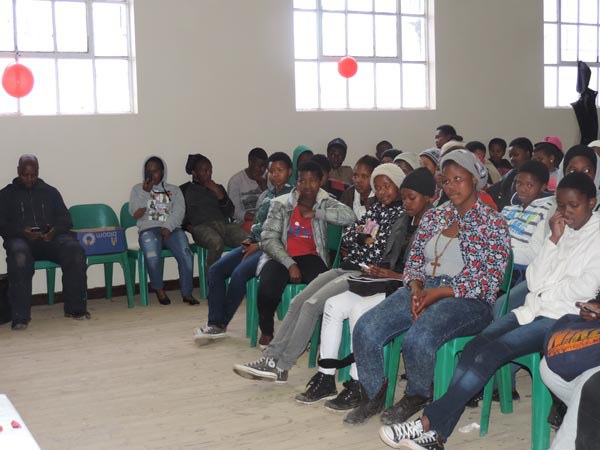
[
  {"x": 588, "y": 419},
  {"x": 273, "y": 279}
]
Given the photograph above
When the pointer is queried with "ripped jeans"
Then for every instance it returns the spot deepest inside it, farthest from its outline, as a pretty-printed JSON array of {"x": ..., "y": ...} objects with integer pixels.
[{"x": 151, "y": 243}]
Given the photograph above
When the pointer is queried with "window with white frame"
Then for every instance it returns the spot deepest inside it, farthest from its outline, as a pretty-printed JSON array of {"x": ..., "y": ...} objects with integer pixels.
[
  {"x": 388, "y": 38},
  {"x": 80, "y": 53},
  {"x": 570, "y": 35}
]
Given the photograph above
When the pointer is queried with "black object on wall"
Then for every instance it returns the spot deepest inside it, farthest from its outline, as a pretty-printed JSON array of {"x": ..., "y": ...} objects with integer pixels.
[{"x": 585, "y": 107}]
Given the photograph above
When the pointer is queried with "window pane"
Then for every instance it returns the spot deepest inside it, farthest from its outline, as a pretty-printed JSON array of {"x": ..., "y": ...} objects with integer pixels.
[
  {"x": 550, "y": 86},
  {"x": 8, "y": 104},
  {"x": 568, "y": 47},
  {"x": 362, "y": 87},
  {"x": 386, "y": 36},
  {"x": 567, "y": 85},
  {"x": 568, "y": 11},
  {"x": 588, "y": 44},
  {"x": 7, "y": 41},
  {"x": 413, "y": 39},
  {"x": 307, "y": 85},
  {"x": 110, "y": 29},
  {"x": 71, "y": 27},
  {"x": 412, "y": 6},
  {"x": 360, "y": 34},
  {"x": 360, "y": 5},
  {"x": 305, "y": 35},
  {"x": 588, "y": 11},
  {"x": 42, "y": 99},
  {"x": 76, "y": 89},
  {"x": 385, "y": 6},
  {"x": 336, "y": 5},
  {"x": 334, "y": 34},
  {"x": 112, "y": 86},
  {"x": 34, "y": 25},
  {"x": 414, "y": 86},
  {"x": 305, "y": 4},
  {"x": 333, "y": 87},
  {"x": 550, "y": 44},
  {"x": 388, "y": 86},
  {"x": 550, "y": 9}
]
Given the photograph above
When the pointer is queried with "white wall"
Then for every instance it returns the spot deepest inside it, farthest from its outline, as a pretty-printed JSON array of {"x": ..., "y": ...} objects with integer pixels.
[{"x": 216, "y": 76}]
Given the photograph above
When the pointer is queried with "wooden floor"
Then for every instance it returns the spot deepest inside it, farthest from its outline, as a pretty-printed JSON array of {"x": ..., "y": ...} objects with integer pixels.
[{"x": 133, "y": 379}]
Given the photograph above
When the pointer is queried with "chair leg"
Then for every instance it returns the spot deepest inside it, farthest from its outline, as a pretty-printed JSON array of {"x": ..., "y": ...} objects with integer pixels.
[
  {"x": 314, "y": 345},
  {"x": 50, "y": 283},
  {"x": 444, "y": 363},
  {"x": 252, "y": 310},
  {"x": 392, "y": 369},
  {"x": 129, "y": 282},
  {"x": 108, "y": 279},
  {"x": 345, "y": 349},
  {"x": 202, "y": 272},
  {"x": 143, "y": 276},
  {"x": 486, "y": 406},
  {"x": 541, "y": 403},
  {"x": 505, "y": 389}
]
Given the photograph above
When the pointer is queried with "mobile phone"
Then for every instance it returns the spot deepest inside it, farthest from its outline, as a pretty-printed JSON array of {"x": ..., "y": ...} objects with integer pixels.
[
  {"x": 36, "y": 230},
  {"x": 147, "y": 177},
  {"x": 588, "y": 308}
]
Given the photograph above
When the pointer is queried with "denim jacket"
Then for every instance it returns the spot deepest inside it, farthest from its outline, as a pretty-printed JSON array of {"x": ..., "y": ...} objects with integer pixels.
[
  {"x": 484, "y": 243},
  {"x": 275, "y": 228}
]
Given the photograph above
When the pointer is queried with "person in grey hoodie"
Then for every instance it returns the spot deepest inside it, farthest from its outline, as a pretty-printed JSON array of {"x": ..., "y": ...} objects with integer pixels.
[{"x": 159, "y": 208}]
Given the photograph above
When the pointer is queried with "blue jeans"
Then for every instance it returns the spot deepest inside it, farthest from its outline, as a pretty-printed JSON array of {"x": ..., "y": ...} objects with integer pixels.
[
  {"x": 223, "y": 302},
  {"x": 151, "y": 243},
  {"x": 503, "y": 341},
  {"x": 443, "y": 321}
]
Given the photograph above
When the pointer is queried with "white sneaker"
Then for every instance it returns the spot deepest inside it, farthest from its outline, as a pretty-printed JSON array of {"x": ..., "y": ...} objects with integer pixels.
[
  {"x": 397, "y": 435},
  {"x": 205, "y": 335}
]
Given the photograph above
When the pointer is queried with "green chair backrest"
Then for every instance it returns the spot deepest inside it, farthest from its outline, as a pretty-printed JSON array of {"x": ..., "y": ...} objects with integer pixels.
[
  {"x": 93, "y": 216},
  {"x": 126, "y": 219},
  {"x": 334, "y": 236}
]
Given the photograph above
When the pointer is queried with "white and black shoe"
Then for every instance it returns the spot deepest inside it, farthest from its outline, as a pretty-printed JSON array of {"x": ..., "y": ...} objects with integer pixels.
[
  {"x": 263, "y": 369},
  {"x": 394, "y": 435},
  {"x": 428, "y": 441},
  {"x": 320, "y": 387},
  {"x": 205, "y": 335},
  {"x": 348, "y": 399}
]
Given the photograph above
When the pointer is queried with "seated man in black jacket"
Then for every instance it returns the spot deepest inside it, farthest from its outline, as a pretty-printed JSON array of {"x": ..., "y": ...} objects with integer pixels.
[
  {"x": 35, "y": 224},
  {"x": 208, "y": 210}
]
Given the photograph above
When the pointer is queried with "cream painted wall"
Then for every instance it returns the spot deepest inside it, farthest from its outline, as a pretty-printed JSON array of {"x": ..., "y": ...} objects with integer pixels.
[{"x": 216, "y": 76}]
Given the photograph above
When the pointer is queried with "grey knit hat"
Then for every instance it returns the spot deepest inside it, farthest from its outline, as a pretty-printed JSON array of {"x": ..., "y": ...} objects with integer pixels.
[
  {"x": 468, "y": 161},
  {"x": 410, "y": 158},
  {"x": 390, "y": 170},
  {"x": 433, "y": 154}
]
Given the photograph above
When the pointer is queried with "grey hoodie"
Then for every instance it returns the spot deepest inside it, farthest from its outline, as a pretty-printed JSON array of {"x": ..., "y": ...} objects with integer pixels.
[{"x": 165, "y": 205}]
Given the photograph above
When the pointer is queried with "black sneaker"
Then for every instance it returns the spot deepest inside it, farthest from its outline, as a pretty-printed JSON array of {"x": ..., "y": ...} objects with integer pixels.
[
  {"x": 79, "y": 316},
  {"x": 398, "y": 434},
  {"x": 264, "y": 369},
  {"x": 367, "y": 408},
  {"x": 19, "y": 325},
  {"x": 404, "y": 409},
  {"x": 349, "y": 398},
  {"x": 320, "y": 387},
  {"x": 208, "y": 334},
  {"x": 429, "y": 441},
  {"x": 557, "y": 413}
]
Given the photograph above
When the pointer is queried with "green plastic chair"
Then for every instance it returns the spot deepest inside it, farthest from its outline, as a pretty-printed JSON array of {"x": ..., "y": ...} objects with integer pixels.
[
  {"x": 334, "y": 243},
  {"x": 446, "y": 357},
  {"x": 97, "y": 216},
  {"x": 50, "y": 269},
  {"x": 137, "y": 256},
  {"x": 541, "y": 401}
]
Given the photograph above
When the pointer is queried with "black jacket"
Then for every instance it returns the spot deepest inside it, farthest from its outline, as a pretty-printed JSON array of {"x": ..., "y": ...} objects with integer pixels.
[
  {"x": 502, "y": 191},
  {"x": 202, "y": 205},
  {"x": 41, "y": 206}
]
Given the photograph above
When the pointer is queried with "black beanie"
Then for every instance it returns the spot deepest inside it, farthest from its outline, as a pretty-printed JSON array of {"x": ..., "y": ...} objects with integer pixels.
[
  {"x": 420, "y": 180},
  {"x": 579, "y": 150},
  {"x": 192, "y": 160}
]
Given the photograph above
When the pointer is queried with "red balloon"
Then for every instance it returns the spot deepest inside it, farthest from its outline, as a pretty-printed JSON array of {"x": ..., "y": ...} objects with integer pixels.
[
  {"x": 17, "y": 80},
  {"x": 347, "y": 67}
]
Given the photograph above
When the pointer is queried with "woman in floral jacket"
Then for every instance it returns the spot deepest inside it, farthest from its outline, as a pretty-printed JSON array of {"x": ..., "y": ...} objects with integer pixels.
[{"x": 453, "y": 272}]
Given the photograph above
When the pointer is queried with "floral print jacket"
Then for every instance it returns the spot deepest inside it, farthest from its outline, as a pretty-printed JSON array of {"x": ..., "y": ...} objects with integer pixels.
[{"x": 484, "y": 243}]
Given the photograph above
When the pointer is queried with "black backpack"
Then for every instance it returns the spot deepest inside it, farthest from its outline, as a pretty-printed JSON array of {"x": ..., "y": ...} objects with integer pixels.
[{"x": 5, "y": 311}]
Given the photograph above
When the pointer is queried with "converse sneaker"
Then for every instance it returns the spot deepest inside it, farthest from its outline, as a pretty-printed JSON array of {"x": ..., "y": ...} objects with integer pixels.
[
  {"x": 320, "y": 387},
  {"x": 393, "y": 435},
  {"x": 348, "y": 399},
  {"x": 404, "y": 409},
  {"x": 205, "y": 335},
  {"x": 264, "y": 369},
  {"x": 428, "y": 441},
  {"x": 367, "y": 408}
]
